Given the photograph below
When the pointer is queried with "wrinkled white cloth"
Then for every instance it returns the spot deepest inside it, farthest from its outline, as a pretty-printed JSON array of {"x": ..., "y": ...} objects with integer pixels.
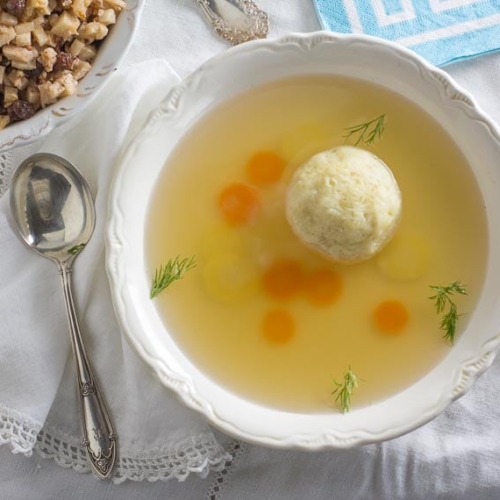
[
  {"x": 455, "y": 457},
  {"x": 158, "y": 437}
]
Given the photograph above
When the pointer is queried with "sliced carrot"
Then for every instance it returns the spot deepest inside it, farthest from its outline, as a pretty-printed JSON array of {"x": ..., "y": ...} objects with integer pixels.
[
  {"x": 391, "y": 316},
  {"x": 265, "y": 167},
  {"x": 283, "y": 279},
  {"x": 278, "y": 326},
  {"x": 323, "y": 287},
  {"x": 239, "y": 203}
]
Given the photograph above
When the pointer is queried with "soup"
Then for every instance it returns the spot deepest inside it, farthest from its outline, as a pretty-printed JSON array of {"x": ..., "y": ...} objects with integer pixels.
[{"x": 285, "y": 348}]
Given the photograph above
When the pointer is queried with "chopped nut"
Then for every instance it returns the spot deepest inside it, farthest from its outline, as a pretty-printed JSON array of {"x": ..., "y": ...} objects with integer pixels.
[
  {"x": 68, "y": 82},
  {"x": 25, "y": 28},
  {"x": 53, "y": 39},
  {"x": 53, "y": 18},
  {"x": 81, "y": 68},
  {"x": 2, "y": 74},
  {"x": 88, "y": 53},
  {"x": 7, "y": 34},
  {"x": 39, "y": 21},
  {"x": 33, "y": 96},
  {"x": 40, "y": 36},
  {"x": 117, "y": 5},
  {"x": 48, "y": 58},
  {"x": 7, "y": 19},
  {"x": 107, "y": 17},
  {"x": 79, "y": 8},
  {"x": 17, "y": 79},
  {"x": 28, "y": 13},
  {"x": 25, "y": 66},
  {"x": 76, "y": 47},
  {"x": 49, "y": 92},
  {"x": 4, "y": 121},
  {"x": 9, "y": 95},
  {"x": 41, "y": 7},
  {"x": 20, "y": 55},
  {"x": 66, "y": 25},
  {"x": 93, "y": 31},
  {"x": 23, "y": 40}
]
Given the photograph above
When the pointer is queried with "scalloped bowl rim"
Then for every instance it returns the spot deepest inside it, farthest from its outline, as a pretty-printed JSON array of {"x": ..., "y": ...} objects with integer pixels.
[
  {"x": 110, "y": 55},
  {"x": 125, "y": 264}
]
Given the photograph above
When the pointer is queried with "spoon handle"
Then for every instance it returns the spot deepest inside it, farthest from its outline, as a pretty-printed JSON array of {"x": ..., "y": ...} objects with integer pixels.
[{"x": 99, "y": 436}]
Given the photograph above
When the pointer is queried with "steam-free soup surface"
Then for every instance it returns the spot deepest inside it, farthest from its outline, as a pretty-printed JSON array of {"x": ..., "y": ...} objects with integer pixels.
[{"x": 217, "y": 312}]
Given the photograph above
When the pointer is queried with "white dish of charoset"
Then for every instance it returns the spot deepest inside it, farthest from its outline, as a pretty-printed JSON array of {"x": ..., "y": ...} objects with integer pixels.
[{"x": 110, "y": 54}]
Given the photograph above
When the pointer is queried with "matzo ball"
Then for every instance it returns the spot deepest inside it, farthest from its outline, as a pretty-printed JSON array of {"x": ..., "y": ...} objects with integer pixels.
[{"x": 345, "y": 203}]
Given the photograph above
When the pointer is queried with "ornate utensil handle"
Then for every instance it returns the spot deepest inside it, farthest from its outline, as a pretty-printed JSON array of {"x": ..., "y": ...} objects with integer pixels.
[
  {"x": 99, "y": 436},
  {"x": 237, "y": 21}
]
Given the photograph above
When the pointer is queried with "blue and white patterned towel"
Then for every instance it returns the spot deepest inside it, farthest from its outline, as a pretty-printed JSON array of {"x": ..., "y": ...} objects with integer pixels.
[{"x": 442, "y": 31}]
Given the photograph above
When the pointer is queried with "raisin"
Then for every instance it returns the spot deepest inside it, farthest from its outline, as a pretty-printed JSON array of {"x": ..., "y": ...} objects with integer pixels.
[
  {"x": 15, "y": 7},
  {"x": 34, "y": 73},
  {"x": 20, "y": 110},
  {"x": 63, "y": 61}
]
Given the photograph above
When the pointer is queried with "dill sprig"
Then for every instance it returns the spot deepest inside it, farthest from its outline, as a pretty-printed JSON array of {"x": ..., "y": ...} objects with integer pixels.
[
  {"x": 172, "y": 271},
  {"x": 344, "y": 389},
  {"x": 368, "y": 132},
  {"x": 442, "y": 300}
]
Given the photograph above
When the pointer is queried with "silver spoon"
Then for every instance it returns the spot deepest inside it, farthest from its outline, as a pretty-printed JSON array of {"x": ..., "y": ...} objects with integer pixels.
[
  {"x": 55, "y": 215},
  {"x": 237, "y": 21}
]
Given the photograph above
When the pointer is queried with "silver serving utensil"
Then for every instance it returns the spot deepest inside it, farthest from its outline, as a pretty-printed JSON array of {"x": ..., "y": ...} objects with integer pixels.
[
  {"x": 237, "y": 21},
  {"x": 55, "y": 215}
]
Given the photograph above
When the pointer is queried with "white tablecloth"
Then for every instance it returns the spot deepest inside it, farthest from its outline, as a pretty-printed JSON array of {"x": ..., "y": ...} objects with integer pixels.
[{"x": 461, "y": 461}]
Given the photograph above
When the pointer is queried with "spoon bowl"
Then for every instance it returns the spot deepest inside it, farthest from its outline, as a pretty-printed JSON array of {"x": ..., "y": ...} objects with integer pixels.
[
  {"x": 52, "y": 206},
  {"x": 55, "y": 215}
]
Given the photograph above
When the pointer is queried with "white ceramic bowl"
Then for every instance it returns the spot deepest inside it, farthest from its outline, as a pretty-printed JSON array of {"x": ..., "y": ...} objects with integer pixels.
[
  {"x": 231, "y": 73},
  {"x": 110, "y": 54}
]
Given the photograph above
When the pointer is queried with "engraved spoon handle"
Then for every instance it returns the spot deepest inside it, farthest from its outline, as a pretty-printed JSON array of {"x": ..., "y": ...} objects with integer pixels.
[
  {"x": 236, "y": 21},
  {"x": 99, "y": 436}
]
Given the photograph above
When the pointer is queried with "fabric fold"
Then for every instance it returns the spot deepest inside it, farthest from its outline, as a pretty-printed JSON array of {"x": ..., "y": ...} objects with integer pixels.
[{"x": 37, "y": 371}]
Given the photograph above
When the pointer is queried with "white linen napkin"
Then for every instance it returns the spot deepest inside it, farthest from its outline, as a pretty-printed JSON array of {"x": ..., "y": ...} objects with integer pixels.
[{"x": 158, "y": 437}]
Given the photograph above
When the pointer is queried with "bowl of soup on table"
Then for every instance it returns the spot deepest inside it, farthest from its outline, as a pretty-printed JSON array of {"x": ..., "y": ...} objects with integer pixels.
[{"x": 301, "y": 241}]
